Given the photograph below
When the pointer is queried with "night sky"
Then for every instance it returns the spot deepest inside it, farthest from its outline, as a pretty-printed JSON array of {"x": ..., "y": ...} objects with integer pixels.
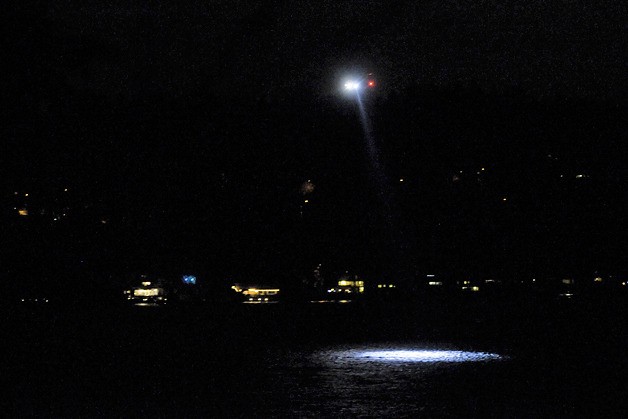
[
  {"x": 191, "y": 128},
  {"x": 129, "y": 50}
]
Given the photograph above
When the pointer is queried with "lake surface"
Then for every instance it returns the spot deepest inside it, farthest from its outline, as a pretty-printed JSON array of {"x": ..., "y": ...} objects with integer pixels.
[{"x": 316, "y": 361}]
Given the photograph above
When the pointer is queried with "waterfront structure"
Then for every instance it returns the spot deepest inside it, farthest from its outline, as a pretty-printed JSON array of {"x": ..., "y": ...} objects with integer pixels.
[
  {"x": 147, "y": 293},
  {"x": 257, "y": 294},
  {"x": 345, "y": 286}
]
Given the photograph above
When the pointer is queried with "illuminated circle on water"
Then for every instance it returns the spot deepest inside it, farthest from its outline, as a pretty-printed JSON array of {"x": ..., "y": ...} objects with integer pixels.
[
  {"x": 426, "y": 356},
  {"x": 402, "y": 355}
]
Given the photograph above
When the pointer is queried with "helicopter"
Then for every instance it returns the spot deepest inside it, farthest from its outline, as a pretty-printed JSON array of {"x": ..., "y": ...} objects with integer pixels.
[{"x": 368, "y": 81}]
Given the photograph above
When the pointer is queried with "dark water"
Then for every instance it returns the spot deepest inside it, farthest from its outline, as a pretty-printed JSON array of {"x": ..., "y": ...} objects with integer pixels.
[{"x": 316, "y": 361}]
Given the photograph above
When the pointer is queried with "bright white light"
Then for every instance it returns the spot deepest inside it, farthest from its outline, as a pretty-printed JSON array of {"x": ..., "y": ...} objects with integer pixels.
[
  {"x": 427, "y": 356},
  {"x": 394, "y": 356},
  {"x": 352, "y": 85}
]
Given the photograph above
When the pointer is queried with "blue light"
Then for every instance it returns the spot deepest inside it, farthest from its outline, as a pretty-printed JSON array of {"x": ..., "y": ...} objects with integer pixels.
[{"x": 189, "y": 279}]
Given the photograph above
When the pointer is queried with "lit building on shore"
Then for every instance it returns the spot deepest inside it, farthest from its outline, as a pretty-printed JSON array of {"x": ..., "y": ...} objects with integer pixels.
[
  {"x": 257, "y": 294},
  {"x": 346, "y": 286},
  {"x": 147, "y": 293},
  {"x": 469, "y": 285}
]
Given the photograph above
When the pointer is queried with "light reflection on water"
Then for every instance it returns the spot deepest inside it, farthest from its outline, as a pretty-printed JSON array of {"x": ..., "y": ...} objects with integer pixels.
[
  {"x": 426, "y": 356},
  {"x": 379, "y": 380},
  {"x": 401, "y": 354}
]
